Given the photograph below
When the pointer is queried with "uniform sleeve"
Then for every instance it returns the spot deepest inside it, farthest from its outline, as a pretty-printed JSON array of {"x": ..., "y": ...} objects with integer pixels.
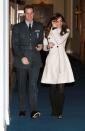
[
  {"x": 16, "y": 42},
  {"x": 40, "y": 40}
]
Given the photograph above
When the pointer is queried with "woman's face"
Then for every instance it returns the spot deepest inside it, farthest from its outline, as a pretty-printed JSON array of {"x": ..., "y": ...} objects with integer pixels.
[
  {"x": 53, "y": 23},
  {"x": 57, "y": 23}
]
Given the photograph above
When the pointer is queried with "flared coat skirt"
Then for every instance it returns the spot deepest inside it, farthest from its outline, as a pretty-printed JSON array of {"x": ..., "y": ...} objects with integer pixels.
[{"x": 57, "y": 67}]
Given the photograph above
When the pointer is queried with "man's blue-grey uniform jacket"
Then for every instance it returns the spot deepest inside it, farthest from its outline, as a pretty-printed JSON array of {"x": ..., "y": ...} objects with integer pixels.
[{"x": 24, "y": 43}]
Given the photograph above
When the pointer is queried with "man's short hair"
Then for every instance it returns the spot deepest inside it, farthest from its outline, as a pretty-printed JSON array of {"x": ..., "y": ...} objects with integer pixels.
[{"x": 28, "y": 7}]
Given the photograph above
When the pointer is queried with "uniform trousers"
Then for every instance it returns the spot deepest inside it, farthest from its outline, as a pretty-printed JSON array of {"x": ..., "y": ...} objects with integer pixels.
[{"x": 28, "y": 77}]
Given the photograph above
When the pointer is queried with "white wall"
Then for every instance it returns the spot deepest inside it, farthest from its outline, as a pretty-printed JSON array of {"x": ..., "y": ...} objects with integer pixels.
[{"x": 4, "y": 62}]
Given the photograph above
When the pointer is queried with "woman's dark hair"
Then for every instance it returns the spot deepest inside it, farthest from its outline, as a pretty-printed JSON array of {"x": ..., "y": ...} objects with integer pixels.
[
  {"x": 64, "y": 25},
  {"x": 49, "y": 25}
]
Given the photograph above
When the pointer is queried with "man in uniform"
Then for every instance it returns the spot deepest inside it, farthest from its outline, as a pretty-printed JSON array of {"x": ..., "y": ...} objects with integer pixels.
[{"x": 27, "y": 39}]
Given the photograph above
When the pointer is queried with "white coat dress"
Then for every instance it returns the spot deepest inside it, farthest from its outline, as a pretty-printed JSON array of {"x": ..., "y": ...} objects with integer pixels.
[{"x": 57, "y": 66}]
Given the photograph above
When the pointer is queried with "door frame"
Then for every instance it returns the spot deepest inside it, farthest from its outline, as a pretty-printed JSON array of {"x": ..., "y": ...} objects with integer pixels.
[{"x": 4, "y": 64}]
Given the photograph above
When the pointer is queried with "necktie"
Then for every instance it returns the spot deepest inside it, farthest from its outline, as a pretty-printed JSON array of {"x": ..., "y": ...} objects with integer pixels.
[{"x": 29, "y": 27}]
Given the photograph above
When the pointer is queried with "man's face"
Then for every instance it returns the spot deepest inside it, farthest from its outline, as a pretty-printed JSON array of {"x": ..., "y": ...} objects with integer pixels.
[{"x": 29, "y": 14}]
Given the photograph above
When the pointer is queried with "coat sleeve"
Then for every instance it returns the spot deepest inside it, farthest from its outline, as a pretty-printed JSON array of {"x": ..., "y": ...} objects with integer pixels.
[
  {"x": 51, "y": 38},
  {"x": 45, "y": 44},
  {"x": 55, "y": 36},
  {"x": 16, "y": 42}
]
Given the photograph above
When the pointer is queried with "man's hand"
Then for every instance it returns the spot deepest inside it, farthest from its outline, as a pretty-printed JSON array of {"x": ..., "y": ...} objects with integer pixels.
[
  {"x": 39, "y": 47},
  {"x": 25, "y": 61}
]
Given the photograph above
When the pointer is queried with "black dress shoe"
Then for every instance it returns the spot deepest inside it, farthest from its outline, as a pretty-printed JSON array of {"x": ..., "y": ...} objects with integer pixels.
[
  {"x": 22, "y": 113},
  {"x": 59, "y": 116},
  {"x": 35, "y": 114}
]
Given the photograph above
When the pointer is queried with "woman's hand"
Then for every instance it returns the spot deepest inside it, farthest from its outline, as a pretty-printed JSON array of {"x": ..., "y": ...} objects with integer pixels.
[
  {"x": 39, "y": 47},
  {"x": 50, "y": 45}
]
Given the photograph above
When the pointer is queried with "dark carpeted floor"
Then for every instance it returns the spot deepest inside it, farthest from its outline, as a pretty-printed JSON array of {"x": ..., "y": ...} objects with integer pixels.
[{"x": 74, "y": 107}]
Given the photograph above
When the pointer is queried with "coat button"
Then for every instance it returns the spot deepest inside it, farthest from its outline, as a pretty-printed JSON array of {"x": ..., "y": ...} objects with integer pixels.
[{"x": 57, "y": 46}]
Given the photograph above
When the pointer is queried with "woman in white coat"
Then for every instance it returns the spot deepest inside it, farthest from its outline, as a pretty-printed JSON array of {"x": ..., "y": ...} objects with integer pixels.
[{"x": 57, "y": 70}]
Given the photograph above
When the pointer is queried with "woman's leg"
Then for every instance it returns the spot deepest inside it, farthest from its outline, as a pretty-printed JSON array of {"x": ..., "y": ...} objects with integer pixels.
[
  {"x": 59, "y": 99},
  {"x": 56, "y": 94}
]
